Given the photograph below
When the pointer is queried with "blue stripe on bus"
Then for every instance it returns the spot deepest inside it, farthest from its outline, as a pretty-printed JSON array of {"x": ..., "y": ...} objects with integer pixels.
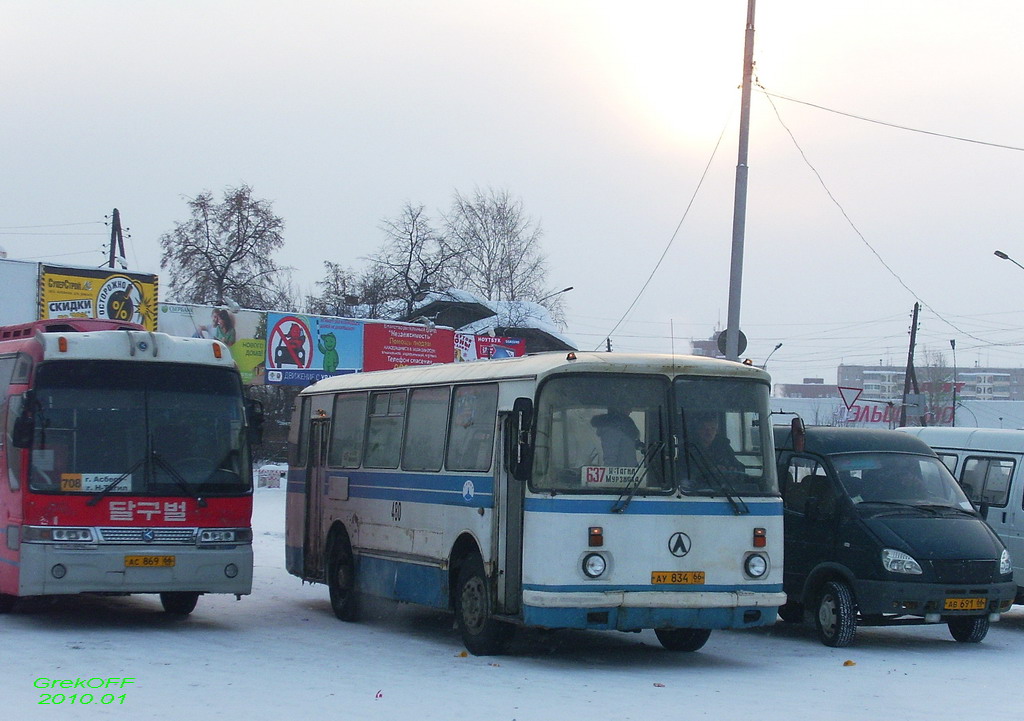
[
  {"x": 579, "y": 588},
  {"x": 16, "y": 564},
  {"x": 634, "y": 618},
  {"x": 443, "y": 489},
  {"x": 644, "y": 507}
]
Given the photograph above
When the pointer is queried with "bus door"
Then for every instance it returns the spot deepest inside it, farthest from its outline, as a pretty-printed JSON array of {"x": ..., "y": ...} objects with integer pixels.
[
  {"x": 509, "y": 508},
  {"x": 316, "y": 487}
]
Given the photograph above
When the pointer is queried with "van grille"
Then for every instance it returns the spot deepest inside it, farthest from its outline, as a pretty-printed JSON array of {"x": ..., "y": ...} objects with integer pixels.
[
  {"x": 965, "y": 571},
  {"x": 135, "y": 535}
]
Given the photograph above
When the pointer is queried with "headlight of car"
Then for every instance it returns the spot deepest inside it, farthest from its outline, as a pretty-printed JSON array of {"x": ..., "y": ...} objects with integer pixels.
[
  {"x": 899, "y": 562},
  {"x": 1005, "y": 567}
]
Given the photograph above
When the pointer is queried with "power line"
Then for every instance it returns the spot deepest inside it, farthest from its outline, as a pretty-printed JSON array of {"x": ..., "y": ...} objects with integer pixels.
[{"x": 51, "y": 225}]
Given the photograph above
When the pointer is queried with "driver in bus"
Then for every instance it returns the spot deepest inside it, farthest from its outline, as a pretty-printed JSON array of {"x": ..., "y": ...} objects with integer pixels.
[
  {"x": 620, "y": 438},
  {"x": 710, "y": 453}
]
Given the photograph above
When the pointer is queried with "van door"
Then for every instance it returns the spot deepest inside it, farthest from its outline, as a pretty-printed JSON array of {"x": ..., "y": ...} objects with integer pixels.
[
  {"x": 316, "y": 486},
  {"x": 992, "y": 481},
  {"x": 809, "y": 514}
]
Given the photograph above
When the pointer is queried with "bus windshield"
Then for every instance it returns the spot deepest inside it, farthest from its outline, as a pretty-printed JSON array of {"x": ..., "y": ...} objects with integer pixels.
[
  {"x": 600, "y": 433},
  {"x": 105, "y": 426}
]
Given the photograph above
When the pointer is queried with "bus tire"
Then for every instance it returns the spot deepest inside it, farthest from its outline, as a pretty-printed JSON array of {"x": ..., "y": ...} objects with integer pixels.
[
  {"x": 474, "y": 608},
  {"x": 341, "y": 580},
  {"x": 836, "y": 616},
  {"x": 683, "y": 639},
  {"x": 179, "y": 603},
  {"x": 969, "y": 629}
]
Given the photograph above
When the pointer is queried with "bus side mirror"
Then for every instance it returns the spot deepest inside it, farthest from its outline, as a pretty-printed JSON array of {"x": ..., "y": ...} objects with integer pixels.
[
  {"x": 520, "y": 452},
  {"x": 254, "y": 416},
  {"x": 25, "y": 424}
]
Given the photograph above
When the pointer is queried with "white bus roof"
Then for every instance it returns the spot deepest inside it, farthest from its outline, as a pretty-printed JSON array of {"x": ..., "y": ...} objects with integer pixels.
[
  {"x": 135, "y": 346},
  {"x": 535, "y": 366},
  {"x": 978, "y": 439}
]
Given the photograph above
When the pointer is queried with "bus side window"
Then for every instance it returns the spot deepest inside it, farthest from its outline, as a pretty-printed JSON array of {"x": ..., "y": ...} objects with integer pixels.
[
  {"x": 347, "y": 431},
  {"x": 473, "y": 419},
  {"x": 384, "y": 431}
]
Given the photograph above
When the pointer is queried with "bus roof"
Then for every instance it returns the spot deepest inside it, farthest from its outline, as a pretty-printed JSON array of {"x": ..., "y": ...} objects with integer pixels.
[
  {"x": 135, "y": 346},
  {"x": 539, "y": 365}
]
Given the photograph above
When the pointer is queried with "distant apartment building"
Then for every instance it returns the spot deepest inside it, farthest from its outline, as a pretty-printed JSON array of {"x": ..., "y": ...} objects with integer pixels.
[
  {"x": 982, "y": 384},
  {"x": 810, "y": 388}
]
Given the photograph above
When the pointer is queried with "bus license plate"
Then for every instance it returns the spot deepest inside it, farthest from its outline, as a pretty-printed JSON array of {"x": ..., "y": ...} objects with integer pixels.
[
  {"x": 966, "y": 604},
  {"x": 148, "y": 561},
  {"x": 684, "y": 578}
]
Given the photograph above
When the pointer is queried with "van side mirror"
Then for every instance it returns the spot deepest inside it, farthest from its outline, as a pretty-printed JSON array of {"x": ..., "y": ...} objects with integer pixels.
[
  {"x": 254, "y": 417},
  {"x": 519, "y": 452}
]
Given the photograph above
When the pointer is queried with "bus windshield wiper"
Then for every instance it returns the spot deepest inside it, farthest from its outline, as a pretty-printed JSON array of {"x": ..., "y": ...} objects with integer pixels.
[
  {"x": 113, "y": 484},
  {"x": 639, "y": 473},
  {"x": 179, "y": 481},
  {"x": 716, "y": 477}
]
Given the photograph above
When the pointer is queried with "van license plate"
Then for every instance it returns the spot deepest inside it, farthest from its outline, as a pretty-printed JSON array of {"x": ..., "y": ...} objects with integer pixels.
[
  {"x": 685, "y": 578},
  {"x": 148, "y": 561},
  {"x": 966, "y": 604}
]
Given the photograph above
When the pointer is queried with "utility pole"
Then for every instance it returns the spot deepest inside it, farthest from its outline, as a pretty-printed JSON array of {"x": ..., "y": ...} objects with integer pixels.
[
  {"x": 116, "y": 242},
  {"x": 952, "y": 345},
  {"x": 910, "y": 377},
  {"x": 739, "y": 211}
]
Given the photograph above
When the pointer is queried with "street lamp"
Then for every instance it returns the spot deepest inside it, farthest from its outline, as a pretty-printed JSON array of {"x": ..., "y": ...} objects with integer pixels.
[
  {"x": 1004, "y": 256},
  {"x": 952, "y": 345},
  {"x": 765, "y": 364},
  {"x": 552, "y": 295}
]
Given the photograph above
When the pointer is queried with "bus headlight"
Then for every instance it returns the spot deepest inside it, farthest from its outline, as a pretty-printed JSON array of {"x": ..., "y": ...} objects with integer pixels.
[
  {"x": 56, "y": 534},
  {"x": 225, "y": 535},
  {"x": 1005, "y": 566},
  {"x": 899, "y": 562},
  {"x": 755, "y": 565},
  {"x": 594, "y": 565}
]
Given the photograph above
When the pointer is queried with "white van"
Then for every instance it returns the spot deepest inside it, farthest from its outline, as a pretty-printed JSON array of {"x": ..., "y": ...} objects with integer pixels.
[{"x": 989, "y": 465}]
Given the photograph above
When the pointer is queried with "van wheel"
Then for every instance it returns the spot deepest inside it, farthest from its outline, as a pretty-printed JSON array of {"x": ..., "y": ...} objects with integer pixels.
[
  {"x": 792, "y": 612},
  {"x": 969, "y": 629},
  {"x": 474, "y": 610},
  {"x": 179, "y": 603},
  {"x": 837, "y": 615},
  {"x": 341, "y": 579},
  {"x": 683, "y": 639}
]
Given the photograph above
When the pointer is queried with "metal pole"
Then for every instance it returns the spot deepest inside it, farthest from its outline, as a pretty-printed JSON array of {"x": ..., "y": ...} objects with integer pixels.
[
  {"x": 739, "y": 213},
  {"x": 952, "y": 344}
]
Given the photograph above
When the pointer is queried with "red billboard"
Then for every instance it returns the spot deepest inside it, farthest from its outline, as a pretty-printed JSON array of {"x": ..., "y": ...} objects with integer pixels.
[{"x": 387, "y": 345}]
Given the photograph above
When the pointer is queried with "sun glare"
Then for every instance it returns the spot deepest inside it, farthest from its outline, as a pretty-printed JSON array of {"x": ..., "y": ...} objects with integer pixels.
[{"x": 677, "y": 66}]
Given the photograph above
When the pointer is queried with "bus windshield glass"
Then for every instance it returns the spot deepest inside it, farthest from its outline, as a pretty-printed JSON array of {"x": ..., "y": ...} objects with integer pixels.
[
  {"x": 724, "y": 442},
  {"x": 602, "y": 434},
  {"x": 137, "y": 429}
]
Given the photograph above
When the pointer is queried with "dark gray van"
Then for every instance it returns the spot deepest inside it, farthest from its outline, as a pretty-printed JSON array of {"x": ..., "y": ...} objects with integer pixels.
[{"x": 877, "y": 532}]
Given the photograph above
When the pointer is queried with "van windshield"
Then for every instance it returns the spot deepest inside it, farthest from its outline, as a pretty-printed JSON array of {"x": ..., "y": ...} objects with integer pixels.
[{"x": 903, "y": 478}]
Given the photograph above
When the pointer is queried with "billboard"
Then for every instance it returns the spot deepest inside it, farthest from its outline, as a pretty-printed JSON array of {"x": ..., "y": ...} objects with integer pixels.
[
  {"x": 469, "y": 347},
  {"x": 394, "y": 345},
  {"x": 19, "y": 286},
  {"x": 302, "y": 349},
  {"x": 105, "y": 293},
  {"x": 243, "y": 332}
]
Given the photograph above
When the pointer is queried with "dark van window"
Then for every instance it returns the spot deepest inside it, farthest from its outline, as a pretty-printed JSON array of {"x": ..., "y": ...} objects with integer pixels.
[
  {"x": 349, "y": 424},
  {"x": 987, "y": 480},
  {"x": 384, "y": 434},
  {"x": 805, "y": 478},
  {"x": 424, "y": 436}
]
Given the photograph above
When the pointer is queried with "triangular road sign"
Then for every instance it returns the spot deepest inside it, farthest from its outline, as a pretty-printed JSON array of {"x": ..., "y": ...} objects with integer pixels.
[{"x": 850, "y": 395}]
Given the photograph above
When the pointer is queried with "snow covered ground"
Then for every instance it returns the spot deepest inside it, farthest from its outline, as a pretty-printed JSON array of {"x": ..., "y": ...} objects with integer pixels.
[{"x": 280, "y": 654}]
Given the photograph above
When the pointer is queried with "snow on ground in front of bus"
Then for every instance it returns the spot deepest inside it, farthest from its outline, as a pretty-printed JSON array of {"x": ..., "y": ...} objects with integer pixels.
[{"x": 280, "y": 653}]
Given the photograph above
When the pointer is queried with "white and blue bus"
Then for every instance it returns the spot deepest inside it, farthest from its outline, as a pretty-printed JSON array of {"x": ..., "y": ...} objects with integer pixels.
[{"x": 579, "y": 490}]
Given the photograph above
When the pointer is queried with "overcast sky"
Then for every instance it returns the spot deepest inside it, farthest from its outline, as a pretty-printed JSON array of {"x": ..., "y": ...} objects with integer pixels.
[{"x": 600, "y": 116}]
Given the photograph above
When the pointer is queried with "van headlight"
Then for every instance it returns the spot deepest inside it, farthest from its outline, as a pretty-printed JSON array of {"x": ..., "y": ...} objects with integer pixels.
[
  {"x": 1005, "y": 567},
  {"x": 899, "y": 562}
]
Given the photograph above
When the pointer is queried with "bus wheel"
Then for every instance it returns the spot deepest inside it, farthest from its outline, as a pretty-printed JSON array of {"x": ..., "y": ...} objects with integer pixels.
[
  {"x": 341, "y": 580},
  {"x": 683, "y": 639},
  {"x": 969, "y": 629},
  {"x": 837, "y": 616},
  {"x": 7, "y": 602},
  {"x": 481, "y": 634},
  {"x": 179, "y": 603}
]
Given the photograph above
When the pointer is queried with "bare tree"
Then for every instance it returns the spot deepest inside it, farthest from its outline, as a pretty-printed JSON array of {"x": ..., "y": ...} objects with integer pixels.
[
  {"x": 339, "y": 292},
  {"x": 223, "y": 251},
  {"x": 412, "y": 260}
]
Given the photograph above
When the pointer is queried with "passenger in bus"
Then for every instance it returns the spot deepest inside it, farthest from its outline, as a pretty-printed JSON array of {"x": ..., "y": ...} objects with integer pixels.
[{"x": 620, "y": 438}]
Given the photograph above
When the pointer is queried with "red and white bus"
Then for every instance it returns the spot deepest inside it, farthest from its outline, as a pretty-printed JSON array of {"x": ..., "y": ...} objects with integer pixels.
[{"x": 126, "y": 463}]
